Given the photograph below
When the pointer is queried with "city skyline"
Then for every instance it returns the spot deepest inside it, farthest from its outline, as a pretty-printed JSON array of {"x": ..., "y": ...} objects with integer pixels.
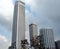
[{"x": 6, "y": 12}]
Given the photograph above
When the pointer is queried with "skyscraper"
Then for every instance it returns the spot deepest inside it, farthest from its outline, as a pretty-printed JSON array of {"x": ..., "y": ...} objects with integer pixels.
[
  {"x": 18, "y": 32},
  {"x": 47, "y": 38},
  {"x": 33, "y": 32}
]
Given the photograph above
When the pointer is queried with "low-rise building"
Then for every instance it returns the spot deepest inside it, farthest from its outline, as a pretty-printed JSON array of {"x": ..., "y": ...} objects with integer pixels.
[{"x": 57, "y": 44}]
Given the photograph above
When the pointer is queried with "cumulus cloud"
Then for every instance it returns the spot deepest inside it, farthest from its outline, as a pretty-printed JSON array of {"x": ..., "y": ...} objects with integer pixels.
[
  {"x": 7, "y": 24},
  {"x": 47, "y": 14},
  {"x": 6, "y": 13},
  {"x": 6, "y": 8},
  {"x": 50, "y": 8},
  {"x": 2, "y": 38},
  {"x": 4, "y": 43}
]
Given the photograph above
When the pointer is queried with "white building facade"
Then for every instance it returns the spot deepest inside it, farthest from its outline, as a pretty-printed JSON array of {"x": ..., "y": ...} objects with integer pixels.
[
  {"x": 18, "y": 32},
  {"x": 47, "y": 38}
]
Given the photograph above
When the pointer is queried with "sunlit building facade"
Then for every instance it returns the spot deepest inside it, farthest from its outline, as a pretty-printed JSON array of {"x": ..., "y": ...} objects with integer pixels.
[
  {"x": 18, "y": 32},
  {"x": 33, "y": 32}
]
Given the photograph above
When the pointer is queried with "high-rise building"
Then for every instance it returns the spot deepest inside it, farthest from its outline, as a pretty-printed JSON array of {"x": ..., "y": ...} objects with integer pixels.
[
  {"x": 47, "y": 38},
  {"x": 57, "y": 44},
  {"x": 18, "y": 32},
  {"x": 33, "y": 32}
]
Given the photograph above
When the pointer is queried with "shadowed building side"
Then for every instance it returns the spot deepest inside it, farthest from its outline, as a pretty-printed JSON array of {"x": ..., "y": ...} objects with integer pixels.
[{"x": 57, "y": 44}]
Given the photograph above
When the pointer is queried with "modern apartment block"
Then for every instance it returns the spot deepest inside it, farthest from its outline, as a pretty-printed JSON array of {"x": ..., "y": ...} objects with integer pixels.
[
  {"x": 47, "y": 38},
  {"x": 18, "y": 32}
]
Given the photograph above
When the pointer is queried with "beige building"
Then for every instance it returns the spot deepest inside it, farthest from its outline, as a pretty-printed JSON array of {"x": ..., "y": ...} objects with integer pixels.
[
  {"x": 18, "y": 32},
  {"x": 33, "y": 31}
]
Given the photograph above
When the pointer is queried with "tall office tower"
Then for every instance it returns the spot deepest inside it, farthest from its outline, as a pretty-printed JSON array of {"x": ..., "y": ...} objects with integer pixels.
[
  {"x": 18, "y": 32},
  {"x": 47, "y": 38},
  {"x": 33, "y": 32}
]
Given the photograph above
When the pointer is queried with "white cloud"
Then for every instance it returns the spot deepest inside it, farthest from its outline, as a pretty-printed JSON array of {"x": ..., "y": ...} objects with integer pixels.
[
  {"x": 6, "y": 8},
  {"x": 3, "y": 38},
  {"x": 6, "y": 14},
  {"x": 4, "y": 43}
]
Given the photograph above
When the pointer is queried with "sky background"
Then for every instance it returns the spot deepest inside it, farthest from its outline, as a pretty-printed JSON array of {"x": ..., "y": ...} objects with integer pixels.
[{"x": 44, "y": 13}]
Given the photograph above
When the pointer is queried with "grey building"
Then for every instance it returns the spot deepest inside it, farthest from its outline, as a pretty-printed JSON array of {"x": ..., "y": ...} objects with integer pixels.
[
  {"x": 47, "y": 38},
  {"x": 33, "y": 32},
  {"x": 18, "y": 32},
  {"x": 57, "y": 44}
]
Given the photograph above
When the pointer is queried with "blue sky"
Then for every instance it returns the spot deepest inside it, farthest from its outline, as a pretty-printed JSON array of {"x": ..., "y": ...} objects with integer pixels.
[{"x": 44, "y": 13}]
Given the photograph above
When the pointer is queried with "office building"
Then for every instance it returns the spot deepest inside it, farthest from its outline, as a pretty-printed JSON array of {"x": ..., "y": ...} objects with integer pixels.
[
  {"x": 47, "y": 38},
  {"x": 18, "y": 32},
  {"x": 33, "y": 32}
]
